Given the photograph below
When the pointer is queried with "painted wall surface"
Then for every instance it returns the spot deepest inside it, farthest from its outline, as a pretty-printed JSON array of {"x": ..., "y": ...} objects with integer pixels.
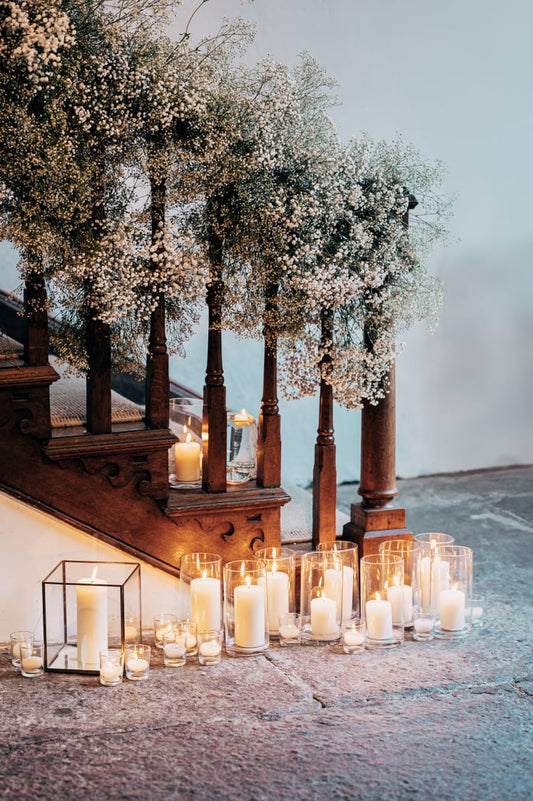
[
  {"x": 32, "y": 543},
  {"x": 454, "y": 78}
]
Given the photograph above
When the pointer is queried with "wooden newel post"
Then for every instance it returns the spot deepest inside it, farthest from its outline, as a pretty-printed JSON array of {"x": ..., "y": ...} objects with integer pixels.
[
  {"x": 269, "y": 431},
  {"x": 325, "y": 471},
  {"x": 376, "y": 519},
  {"x": 214, "y": 422}
]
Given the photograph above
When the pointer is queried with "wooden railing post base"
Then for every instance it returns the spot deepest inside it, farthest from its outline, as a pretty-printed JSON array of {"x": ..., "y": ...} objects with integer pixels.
[{"x": 370, "y": 527}]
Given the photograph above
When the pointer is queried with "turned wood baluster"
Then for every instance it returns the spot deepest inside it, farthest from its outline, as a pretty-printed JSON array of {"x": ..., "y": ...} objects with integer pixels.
[
  {"x": 157, "y": 377},
  {"x": 98, "y": 376},
  {"x": 36, "y": 334},
  {"x": 214, "y": 423},
  {"x": 325, "y": 472},
  {"x": 269, "y": 429}
]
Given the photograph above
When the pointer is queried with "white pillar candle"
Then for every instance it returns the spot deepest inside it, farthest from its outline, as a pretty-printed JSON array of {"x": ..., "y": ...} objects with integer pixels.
[
  {"x": 379, "y": 619},
  {"x": 440, "y": 580},
  {"x": 187, "y": 459},
  {"x": 206, "y": 607},
  {"x": 250, "y": 610},
  {"x": 277, "y": 585},
  {"x": 452, "y": 609},
  {"x": 401, "y": 598},
  {"x": 323, "y": 616},
  {"x": 91, "y": 603},
  {"x": 424, "y": 579}
]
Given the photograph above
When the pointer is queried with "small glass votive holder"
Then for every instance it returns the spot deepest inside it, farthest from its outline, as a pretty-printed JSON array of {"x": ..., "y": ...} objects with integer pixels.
[
  {"x": 31, "y": 659},
  {"x": 347, "y": 554},
  {"x": 210, "y": 646},
  {"x": 111, "y": 667},
  {"x": 164, "y": 622},
  {"x": 137, "y": 662},
  {"x": 289, "y": 629},
  {"x": 353, "y": 636},
  {"x": 423, "y": 621},
  {"x": 381, "y": 575},
  {"x": 476, "y": 606},
  {"x": 279, "y": 584},
  {"x": 190, "y": 629},
  {"x": 175, "y": 647},
  {"x": 453, "y": 607},
  {"x": 19, "y": 638}
]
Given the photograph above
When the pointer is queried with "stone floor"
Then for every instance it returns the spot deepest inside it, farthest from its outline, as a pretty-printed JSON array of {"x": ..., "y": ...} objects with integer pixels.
[{"x": 442, "y": 720}]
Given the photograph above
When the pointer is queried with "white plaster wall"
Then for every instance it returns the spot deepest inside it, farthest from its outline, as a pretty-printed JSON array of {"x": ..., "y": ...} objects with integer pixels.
[
  {"x": 454, "y": 78},
  {"x": 32, "y": 543}
]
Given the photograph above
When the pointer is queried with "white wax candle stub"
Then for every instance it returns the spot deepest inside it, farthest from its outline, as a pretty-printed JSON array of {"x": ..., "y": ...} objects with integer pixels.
[
  {"x": 206, "y": 606},
  {"x": 242, "y": 418},
  {"x": 210, "y": 648},
  {"x": 30, "y": 663},
  {"x": 91, "y": 600},
  {"x": 323, "y": 616},
  {"x": 477, "y": 612},
  {"x": 452, "y": 609},
  {"x": 423, "y": 625},
  {"x": 353, "y": 637},
  {"x": 137, "y": 665},
  {"x": 174, "y": 650},
  {"x": 288, "y": 631},
  {"x": 249, "y": 609},
  {"x": 110, "y": 672},
  {"x": 187, "y": 457},
  {"x": 379, "y": 619}
]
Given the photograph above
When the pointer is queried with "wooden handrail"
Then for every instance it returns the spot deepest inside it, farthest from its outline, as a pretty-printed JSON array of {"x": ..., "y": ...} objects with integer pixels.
[{"x": 325, "y": 472}]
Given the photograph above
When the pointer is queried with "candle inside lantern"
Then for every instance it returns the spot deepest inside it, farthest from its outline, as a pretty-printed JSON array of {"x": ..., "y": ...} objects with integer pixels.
[
  {"x": 323, "y": 616},
  {"x": 452, "y": 609},
  {"x": 206, "y": 608},
  {"x": 379, "y": 618},
  {"x": 249, "y": 608},
  {"x": 277, "y": 585},
  {"x": 91, "y": 605},
  {"x": 187, "y": 457}
]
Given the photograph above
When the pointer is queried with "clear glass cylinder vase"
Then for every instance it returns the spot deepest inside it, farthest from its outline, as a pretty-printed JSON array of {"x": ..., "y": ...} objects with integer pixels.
[
  {"x": 452, "y": 598},
  {"x": 279, "y": 584},
  {"x": 321, "y": 594},
  {"x": 347, "y": 554},
  {"x": 245, "y": 607},
  {"x": 381, "y": 607},
  {"x": 201, "y": 589},
  {"x": 409, "y": 551},
  {"x": 241, "y": 465}
]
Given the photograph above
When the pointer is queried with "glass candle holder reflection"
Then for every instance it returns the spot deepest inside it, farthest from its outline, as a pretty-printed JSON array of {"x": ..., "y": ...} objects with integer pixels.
[
  {"x": 279, "y": 584},
  {"x": 245, "y": 607},
  {"x": 348, "y": 555},
  {"x": 321, "y": 594},
  {"x": 241, "y": 463},
  {"x": 381, "y": 611},
  {"x": 409, "y": 551}
]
